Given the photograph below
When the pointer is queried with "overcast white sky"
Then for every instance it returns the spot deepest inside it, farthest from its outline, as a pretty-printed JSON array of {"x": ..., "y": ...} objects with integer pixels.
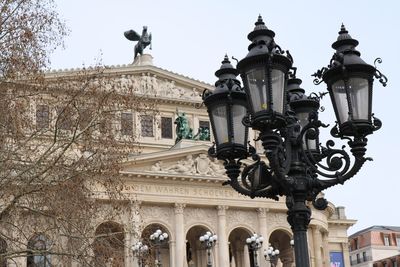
[{"x": 191, "y": 38}]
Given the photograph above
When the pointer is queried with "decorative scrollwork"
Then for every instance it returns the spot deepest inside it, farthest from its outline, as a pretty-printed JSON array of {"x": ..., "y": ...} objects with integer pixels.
[
  {"x": 246, "y": 120},
  {"x": 318, "y": 75},
  {"x": 376, "y": 122},
  {"x": 291, "y": 59},
  {"x": 320, "y": 203},
  {"x": 382, "y": 78},
  {"x": 212, "y": 151}
]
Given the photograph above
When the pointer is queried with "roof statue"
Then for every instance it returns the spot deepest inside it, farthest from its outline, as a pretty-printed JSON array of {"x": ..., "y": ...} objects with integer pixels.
[{"x": 143, "y": 40}]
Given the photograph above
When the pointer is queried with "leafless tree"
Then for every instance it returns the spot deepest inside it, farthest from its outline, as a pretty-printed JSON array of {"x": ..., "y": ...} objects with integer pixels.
[{"x": 60, "y": 146}]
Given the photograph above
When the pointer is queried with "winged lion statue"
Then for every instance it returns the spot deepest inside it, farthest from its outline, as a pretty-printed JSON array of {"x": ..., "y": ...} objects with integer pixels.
[{"x": 143, "y": 40}]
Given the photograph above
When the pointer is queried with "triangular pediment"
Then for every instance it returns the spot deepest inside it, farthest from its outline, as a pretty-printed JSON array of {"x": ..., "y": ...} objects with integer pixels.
[
  {"x": 150, "y": 81},
  {"x": 180, "y": 160}
]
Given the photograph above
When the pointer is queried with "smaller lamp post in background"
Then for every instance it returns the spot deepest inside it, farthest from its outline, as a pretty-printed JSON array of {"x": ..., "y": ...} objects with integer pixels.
[
  {"x": 255, "y": 243},
  {"x": 139, "y": 251},
  {"x": 209, "y": 240},
  {"x": 271, "y": 255},
  {"x": 158, "y": 238}
]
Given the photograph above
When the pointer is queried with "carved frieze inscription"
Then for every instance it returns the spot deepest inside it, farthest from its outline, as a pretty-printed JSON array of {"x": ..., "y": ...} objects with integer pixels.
[{"x": 176, "y": 190}]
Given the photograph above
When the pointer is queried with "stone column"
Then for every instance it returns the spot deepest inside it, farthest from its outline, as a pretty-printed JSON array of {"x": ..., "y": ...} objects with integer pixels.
[
  {"x": 127, "y": 250},
  {"x": 223, "y": 247},
  {"x": 317, "y": 240},
  {"x": 134, "y": 232},
  {"x": 246, "y": 256},
  {"x": 326, "y": 257},
  {"x": 171, "y": 253},
  {"x": 180, "y": 249},
  {"x": 346, "y": 254},
  {"x": 263, "y": 231}
]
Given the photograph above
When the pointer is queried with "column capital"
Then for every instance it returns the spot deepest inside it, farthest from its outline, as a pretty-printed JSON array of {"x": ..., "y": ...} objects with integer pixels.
[
  {"x": 222, "y": 210},
  {"x": 262, "y": 212},
  {"x": 179, "y": 207}
]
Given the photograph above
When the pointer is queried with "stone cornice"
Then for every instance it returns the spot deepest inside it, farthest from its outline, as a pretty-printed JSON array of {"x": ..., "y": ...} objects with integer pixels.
[
  {"x": 344, "y": 222},
  {"x": 131, "y": 69}
]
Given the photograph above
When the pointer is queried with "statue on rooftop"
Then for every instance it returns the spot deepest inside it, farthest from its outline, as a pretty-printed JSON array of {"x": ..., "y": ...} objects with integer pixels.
[{"x": 143, "y": 40}]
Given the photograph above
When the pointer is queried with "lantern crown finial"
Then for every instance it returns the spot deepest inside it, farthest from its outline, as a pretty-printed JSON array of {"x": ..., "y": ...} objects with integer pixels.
[
  {"x": 260, "y": 31},
  {"x": 226, "y": 71},
  {"x": 260, "y": 23},
  {"x": 344, "y": 40}
]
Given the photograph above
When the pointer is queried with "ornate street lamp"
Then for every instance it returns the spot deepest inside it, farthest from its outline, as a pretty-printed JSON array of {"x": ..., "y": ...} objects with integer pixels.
[
  {"x": 254, "y": 243},
  {"x": 349, "y": 81},
  {"x": 288, "y": 125},
  {"x": 271, "y": 255},
  {"x": 209, "y": 240},
  {"x": 139, "y": 251},
  {"x": 158, "y": 238}
]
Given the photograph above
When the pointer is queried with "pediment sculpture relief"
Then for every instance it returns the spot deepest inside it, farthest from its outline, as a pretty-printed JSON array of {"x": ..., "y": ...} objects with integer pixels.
[
  {"x": 151, "y": 85},
  {"x": 200, "y": 165}
]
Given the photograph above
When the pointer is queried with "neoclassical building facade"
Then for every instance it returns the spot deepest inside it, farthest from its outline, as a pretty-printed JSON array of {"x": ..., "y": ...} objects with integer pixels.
[
  {"x": 173, "y": 185},
  {"x": 177, "y": 188}
]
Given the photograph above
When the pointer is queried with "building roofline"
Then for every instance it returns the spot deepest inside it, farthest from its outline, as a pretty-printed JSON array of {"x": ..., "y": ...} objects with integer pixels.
[{"x": 377, "y": 228}]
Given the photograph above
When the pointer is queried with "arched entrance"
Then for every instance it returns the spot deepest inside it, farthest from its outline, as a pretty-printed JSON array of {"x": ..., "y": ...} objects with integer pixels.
[
  {"x": 280, "y": 239},
  {"x": 108, "y": 246},
  {"x": 196, "y": 255},
  {"x": 150, "y": 260},
  {"x": 238, "y": 251}
]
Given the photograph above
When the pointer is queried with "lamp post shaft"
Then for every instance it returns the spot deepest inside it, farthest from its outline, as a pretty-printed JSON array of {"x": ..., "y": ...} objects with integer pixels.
[
  {"x": 158, "y": 257},
  {"x": 209, "y": 264},
  {"x": 299, "y": 216},
  {"x": 255, "y": 255}
]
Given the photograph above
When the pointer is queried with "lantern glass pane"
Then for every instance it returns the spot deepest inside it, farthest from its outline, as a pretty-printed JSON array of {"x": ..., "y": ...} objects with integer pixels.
[
  {"x": 278, "y": 90},
  {"x": 340, "y": 97},
  {"x": 239, "y": 130},
  {"x": 256, "y": 83},
  {"x": 303, "y": 120},
  {"x": 358, "y": 90},
  {"x": 220, "y": 124}
]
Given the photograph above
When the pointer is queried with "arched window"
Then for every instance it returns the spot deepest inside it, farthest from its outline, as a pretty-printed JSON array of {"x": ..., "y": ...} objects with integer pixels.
[
  {"x": 3, "y": 250},
  {"x": 108, "y": 246},
  {"x": 38, "y": 247}
]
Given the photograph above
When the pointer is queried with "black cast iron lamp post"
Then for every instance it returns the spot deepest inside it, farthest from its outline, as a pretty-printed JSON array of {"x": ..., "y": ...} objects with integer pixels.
[
  {"x": 271, "y": 255},
  {"x": 254, "y": 243},
  {"x": 209, "y": 240},
  {"x": 273, "y": 103},
  {"x": 139, "y": 251},
  {"x": 158, "y": 238}
]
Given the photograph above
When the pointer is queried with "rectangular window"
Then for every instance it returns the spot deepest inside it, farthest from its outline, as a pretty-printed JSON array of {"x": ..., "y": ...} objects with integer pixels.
[
  {"x": 358, "y": 258},
  {"x": 84, "y": 118},
  {"x": 364, "y": 256},
  {"x": 64, "y": 119},
  {"x": 166, "y": 127},
  {"x": 398, "y": 241},
  {"x": 126, "y": 123},
  {"x": 386, "y": 240},
  {"x": 42, "y": 117},
  {"x": 146, "y": 123},
  {"x": 356, "y": 243},
  {"x": 204, "y": 128}
]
